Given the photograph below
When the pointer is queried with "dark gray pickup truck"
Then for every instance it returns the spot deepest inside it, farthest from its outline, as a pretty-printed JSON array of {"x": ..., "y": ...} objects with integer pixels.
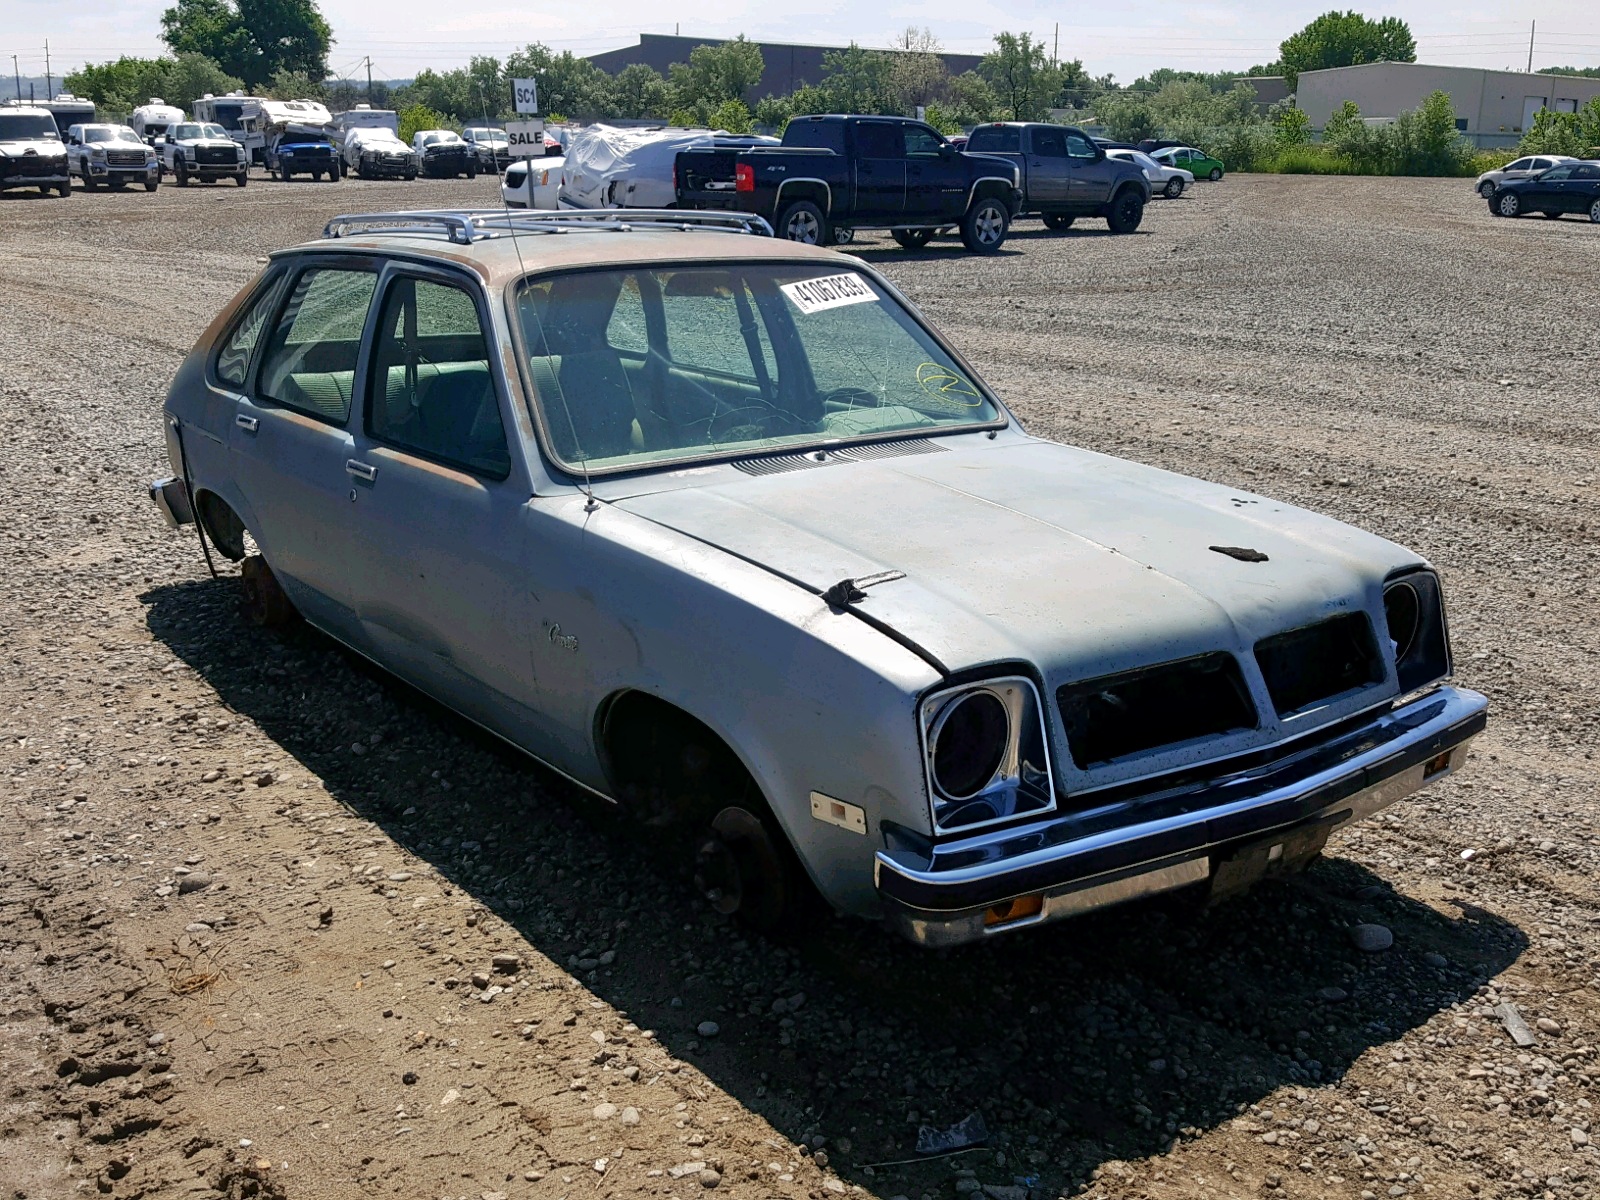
[
  {"x": 838, "y": 173},
  {"x": 1065, "y": 175}
]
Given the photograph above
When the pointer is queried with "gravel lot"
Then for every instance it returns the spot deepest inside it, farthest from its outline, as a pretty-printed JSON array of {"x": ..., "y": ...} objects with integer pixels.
[{"x": 246, "y": 882}]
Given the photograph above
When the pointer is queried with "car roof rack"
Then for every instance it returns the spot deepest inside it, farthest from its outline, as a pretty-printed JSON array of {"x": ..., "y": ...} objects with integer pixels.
[{"x": 466, "y": 226}]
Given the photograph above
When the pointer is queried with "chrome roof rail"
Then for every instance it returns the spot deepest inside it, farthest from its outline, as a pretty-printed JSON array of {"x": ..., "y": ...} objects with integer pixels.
[{"x": 466, "y": 226}]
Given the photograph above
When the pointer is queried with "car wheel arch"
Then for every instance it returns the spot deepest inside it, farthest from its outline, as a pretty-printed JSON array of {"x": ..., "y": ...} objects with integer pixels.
[{"x": 222, "y": 524}]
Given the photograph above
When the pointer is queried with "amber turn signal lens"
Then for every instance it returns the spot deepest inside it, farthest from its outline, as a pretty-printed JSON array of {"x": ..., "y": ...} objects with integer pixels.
[{"x": 1019, "y": 909}]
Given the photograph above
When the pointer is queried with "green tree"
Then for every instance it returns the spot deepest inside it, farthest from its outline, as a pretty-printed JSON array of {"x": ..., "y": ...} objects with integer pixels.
[
  {"x": 917, "y": 74},
  {"x": 296, "y": 85},
  {"x": 1553, "y": 133},
  {"x": 1022, "y": 76},
  {"x": 773, "y": 112},
  {"x": 940, "y": 118},
  {"x": 1345, "y": 39},
  {"x": 726, "y": 71},
  {"x": 971, "y": 99},
  {"x": 252, "y": 39},
  {"x": 415, "y": 118},
  {"x": 731, "y": 116},
  {"x": 1428, "y": 142},
  {"x": 121, "y": 86},
  {"x": 1589, "y": 127},
  {"x": 568, "y": 84},
  {"x": 1586, "y": 72},
  {"x": 859, "y": 81},
  {"x": 1292, "y": 126},
  {"x": 639, "y": 91}
]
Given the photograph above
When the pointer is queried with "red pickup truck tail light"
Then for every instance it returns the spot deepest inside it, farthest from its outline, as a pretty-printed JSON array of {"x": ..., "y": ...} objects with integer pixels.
[{"x": 744, "y": 178}]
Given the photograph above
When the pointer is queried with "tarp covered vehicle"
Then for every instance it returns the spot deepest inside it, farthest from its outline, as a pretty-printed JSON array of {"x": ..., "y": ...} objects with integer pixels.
[{"x": 609, "y": 167}]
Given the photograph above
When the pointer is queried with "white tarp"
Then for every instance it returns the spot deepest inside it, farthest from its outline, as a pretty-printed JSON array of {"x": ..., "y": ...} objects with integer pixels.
[
  {"x": 612, "y": 167},
  {"x": 377, "y": 139}
]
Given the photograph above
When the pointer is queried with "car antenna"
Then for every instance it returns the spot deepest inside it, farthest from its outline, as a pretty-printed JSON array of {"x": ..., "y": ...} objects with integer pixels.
[{"x": 590, "y": 503}]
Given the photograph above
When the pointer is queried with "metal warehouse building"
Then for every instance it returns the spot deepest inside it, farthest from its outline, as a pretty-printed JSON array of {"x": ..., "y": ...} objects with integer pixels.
[
  {"x": 787, "y": 66},
  {"x": 1493, "y": 107}
]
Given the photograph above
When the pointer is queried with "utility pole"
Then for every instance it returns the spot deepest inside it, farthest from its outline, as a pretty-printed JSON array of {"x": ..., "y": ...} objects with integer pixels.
[
  {"x": 1055, "y": 54},
  {"x": 369, "y": 79},
  {"x": 49, "y": 85},
  {"x": 1532, "y": 26},
  {"x": 17, "y": 71}
]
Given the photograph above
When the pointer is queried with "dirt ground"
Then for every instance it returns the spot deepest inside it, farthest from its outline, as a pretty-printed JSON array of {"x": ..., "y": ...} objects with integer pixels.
[{"x": 252, "y": 892}]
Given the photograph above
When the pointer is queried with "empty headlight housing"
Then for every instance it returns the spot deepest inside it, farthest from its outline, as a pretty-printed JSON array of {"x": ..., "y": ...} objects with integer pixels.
[
  {"x": 985, "y": 749},
  {"x": 1413, "y": 611}
]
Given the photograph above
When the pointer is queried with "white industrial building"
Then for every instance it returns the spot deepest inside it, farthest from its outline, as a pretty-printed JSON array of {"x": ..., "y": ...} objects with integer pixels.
[{"x": 1492, "y": 107}]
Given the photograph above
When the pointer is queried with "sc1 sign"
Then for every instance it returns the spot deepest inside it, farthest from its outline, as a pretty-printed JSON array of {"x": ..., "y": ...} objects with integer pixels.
[
  {"x": 525, "y": 95},
  {"x": 526, "y": 138}
]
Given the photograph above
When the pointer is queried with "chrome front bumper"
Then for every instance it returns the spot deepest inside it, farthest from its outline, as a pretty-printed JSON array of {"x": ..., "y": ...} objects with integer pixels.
[
  {"x": 1132, "y": 845},
  {"x": 171, "y": 498}
]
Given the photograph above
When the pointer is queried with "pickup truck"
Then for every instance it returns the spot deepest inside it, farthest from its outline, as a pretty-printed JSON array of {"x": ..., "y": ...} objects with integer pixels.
[
  {"x": 1065, "y": 174},
  {"x": 834, "y": 174},
  {"x": 204, "y": 151}
]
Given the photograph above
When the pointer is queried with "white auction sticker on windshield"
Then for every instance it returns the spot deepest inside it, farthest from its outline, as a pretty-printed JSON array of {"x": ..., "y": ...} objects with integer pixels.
[{"x": 831, "y": 291}]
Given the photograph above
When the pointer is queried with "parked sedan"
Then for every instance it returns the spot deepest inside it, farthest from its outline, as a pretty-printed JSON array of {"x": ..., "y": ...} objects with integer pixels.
[
  {"x": 1525, "y": 167},
  {"x": 719, "y": 527},
  {"x": 533, "y": 183},
  {"x": 1164, "y": 180},
  {"x": 1197, "y": 162},
  {"x": 1572, "y": 187}
]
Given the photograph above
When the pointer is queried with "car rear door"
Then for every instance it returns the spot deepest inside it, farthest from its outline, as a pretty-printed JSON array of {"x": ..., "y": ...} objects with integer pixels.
[
  {"x": 1049, "y": 170},
  {"x": 880, "y": 163},
  {"x": 936, "y": 178},
  {"x": 290, "y": 439},
  {"x": 1585, "y": 187}
]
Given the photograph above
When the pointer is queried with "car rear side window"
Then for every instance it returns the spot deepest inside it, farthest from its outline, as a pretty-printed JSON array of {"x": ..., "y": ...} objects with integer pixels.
[
  {"x": 1586, "y": 172},
  {"x": 825, "y": 135},
  {"x": 431, "y": 388},
  {"x": 879, "y": 140},
  {"x": 1048, "y": 143},
  {"x": 233, "y": 360},
  {"x": 996, "y": 139},
  {"x": 310, "y": 362}
]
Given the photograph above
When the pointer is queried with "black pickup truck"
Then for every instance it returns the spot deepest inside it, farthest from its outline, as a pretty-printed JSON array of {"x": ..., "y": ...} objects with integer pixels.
[
  {"x": 834, "y": 174},
  {"x": 1065, "y": 174}
]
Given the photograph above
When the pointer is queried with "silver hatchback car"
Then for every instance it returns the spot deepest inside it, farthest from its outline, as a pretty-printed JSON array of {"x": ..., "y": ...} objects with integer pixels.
[{"x": 719, "y": 528}]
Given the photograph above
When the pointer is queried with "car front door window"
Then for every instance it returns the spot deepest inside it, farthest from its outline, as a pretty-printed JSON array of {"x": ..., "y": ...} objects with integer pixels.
[{"x": 431, "y": 390}]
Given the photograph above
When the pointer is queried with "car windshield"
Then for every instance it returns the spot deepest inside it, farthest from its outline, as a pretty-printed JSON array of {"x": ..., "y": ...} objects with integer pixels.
[
  {"x": 101, "y": 133},
  {"x": 649, "y": 365},
  {"x": 21, "y": 126}
]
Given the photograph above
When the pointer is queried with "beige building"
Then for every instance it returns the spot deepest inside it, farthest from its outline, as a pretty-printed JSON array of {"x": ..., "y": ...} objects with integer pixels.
[{"x": 1494, "y": 107}]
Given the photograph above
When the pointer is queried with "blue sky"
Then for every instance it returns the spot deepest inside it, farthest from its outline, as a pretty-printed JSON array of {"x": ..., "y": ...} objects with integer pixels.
[{"x": 403, "y": 36}]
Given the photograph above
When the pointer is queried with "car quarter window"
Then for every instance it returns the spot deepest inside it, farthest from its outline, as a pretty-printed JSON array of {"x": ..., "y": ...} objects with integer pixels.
[
  {"x": 233, "y": 358},
  {"x": 879, "y": 139},
  {"x": 310, "y": 359},
  {"x": 1586, "y": 172},
  {"x": 430, "y": 389},
  {"x": 1078, "y": 146}
]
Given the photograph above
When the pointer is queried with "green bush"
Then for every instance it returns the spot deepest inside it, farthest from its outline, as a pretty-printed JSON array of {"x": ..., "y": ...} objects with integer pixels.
[
  {"x": 417, "y": 117},
  {"x": 1308, "y": 160}
]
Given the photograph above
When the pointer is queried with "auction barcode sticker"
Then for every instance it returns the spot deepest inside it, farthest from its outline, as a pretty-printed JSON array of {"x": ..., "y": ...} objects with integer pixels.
[{"x": 831, "y": 291}]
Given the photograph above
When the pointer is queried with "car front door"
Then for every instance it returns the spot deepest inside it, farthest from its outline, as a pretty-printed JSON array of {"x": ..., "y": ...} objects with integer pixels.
[
  {"x": 439, "y": 512},
  {"x": 1550, "y": 192},
  {"x": 290, "y": 442},
  {"x": 936, "y": 176},
  {"x": 880, "y": 172},
  {"x": 1092, "y": 174}
]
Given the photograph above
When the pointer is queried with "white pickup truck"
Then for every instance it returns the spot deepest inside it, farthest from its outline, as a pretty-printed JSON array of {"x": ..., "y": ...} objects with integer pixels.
[
  {"x": 112, "y": 155},
  {"x": 195, "y": 150}
]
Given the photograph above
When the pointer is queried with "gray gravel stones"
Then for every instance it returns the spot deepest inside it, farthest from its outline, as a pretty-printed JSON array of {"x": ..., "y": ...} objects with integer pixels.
[
  {"x": 193, "y": 882},
  {"x": 708, "y": 1029},
  {"x": 1371, "y": 939}
]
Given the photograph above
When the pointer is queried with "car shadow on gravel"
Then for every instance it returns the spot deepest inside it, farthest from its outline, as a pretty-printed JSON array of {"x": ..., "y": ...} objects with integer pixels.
[{"x": 1105, "y": 1038}]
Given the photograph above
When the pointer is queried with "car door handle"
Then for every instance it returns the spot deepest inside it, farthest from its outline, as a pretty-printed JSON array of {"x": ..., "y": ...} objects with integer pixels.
[
  {"x": 360, "y": 469},
  {"x": 248, "y": 424}
]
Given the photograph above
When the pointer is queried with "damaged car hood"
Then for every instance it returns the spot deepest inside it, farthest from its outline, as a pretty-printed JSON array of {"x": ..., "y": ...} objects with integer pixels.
[{"x": 1077, "y": 562}]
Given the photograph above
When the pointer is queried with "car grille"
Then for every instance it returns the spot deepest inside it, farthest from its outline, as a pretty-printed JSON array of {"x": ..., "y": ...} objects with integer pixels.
[
  {"x": 33, "y": 164},
  {"x": 1317, "y": 662},
  {"x": 1140, "y": 710},
  {"x": 216, "y": 155},
  {"x": 125, "y": 158}
]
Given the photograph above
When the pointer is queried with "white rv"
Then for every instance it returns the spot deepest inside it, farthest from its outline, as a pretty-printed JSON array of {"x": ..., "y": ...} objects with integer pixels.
[
  {"x": 364, "y": 116},
  {"x": 152, "y": 120}
]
